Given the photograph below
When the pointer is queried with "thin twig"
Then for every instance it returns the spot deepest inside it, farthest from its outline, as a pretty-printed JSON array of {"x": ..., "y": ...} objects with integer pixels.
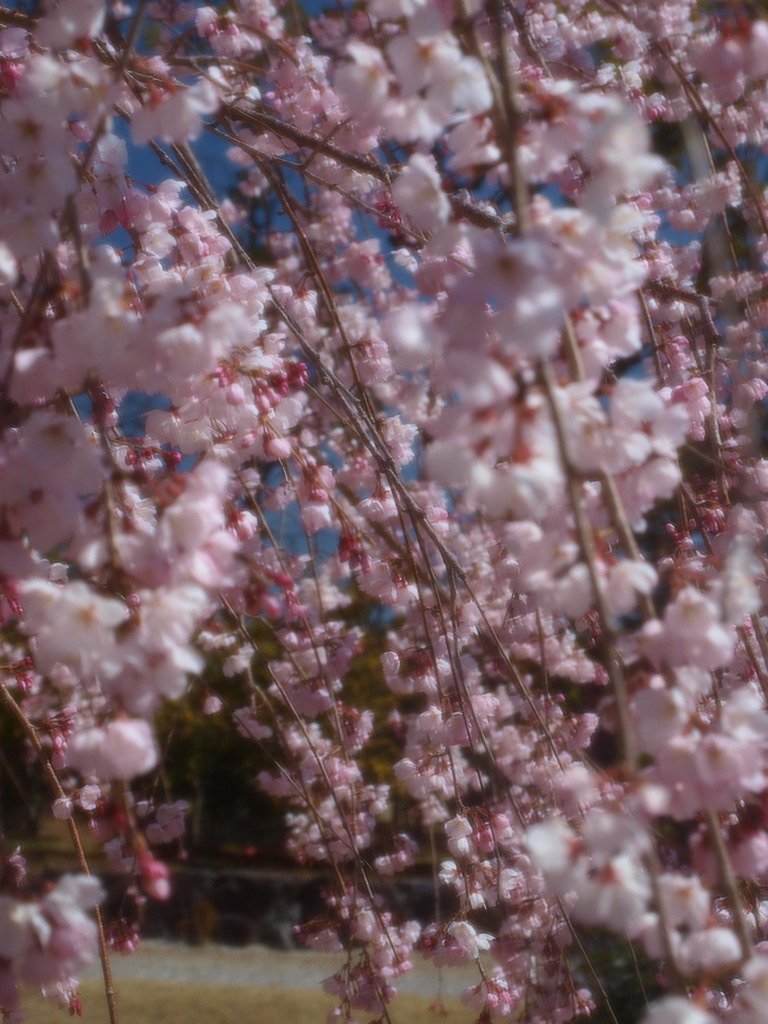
[{"x": 53, "y": 781}]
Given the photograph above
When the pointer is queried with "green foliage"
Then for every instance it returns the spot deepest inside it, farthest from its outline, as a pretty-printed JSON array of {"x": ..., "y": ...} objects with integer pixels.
[
  {"x": 209, "y": 764},
  {"x": 23, "y": 795},
  {"x": 213, "y": 767},
  {"x": 628, "y": 978}
]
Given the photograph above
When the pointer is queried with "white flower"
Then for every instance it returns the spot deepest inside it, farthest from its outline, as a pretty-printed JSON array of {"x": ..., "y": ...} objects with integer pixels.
[
  {"x": 68, "y": 21},
  {"x": 752, "y": 1002},
  {"x": 418, "y": 191},
  {"x": 62, "y": 808},
  {"x": 617, "y": 896},
  {"x": 394, "y": 9},
  {"x": 659, "y": 713},
  {"x": 469, "y": 939},
  {"x": 710, "y": 949},
  {"x": 71, "y": 624},
  {"x": 686, "y": 902},
  {"x": 554, "y": 848},
  {"x": 626, "y": 580},
  {"x": 744, "y": 717},
  {"x": 738, "y": 594},
  {"x": 177, "y": 116},
  {"x": 21, "y": 925},
  {"x": 676, "y": 1010},
  {"x": 119, "y": 750},
  {"x": 459, "y": 830},
  {"x": 364, "y": 82}
]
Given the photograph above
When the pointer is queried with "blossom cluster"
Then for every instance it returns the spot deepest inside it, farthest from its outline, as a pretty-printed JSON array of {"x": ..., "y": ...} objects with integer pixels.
[{"x": 470, "y": 335}]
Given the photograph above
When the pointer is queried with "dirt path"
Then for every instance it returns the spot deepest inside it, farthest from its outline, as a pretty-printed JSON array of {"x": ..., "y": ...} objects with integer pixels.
[{"x": 260, "y": 966}]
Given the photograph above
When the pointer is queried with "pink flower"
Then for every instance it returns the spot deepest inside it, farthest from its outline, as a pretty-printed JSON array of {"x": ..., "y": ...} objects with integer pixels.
[
  {"x": 72, "y": 624},
  {"x": 69, "y": 22},
  {"x": 676, "y": 1010},
  {"x": 122, "y": 749},
  {"x": 364, "y": 82},
  {"x": 626, "y": 580},
  {"x": 62, "y": 808},
  {"x": 175, "y": 115},
  {"x": 691, "y": 633},
  {"x": 459, "y": 830},
  {"x": 751, "y": 1005},
  {"x": 49, "y": 940},
  {"x": 710, "y": 949},
  {"x": 155, "y": 877},
  {"x": 419, "y": 193}
]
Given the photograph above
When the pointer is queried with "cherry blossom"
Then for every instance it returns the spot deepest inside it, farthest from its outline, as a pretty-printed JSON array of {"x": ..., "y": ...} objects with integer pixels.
[
  {"x": 449, "y": 328},
  {"x": 120, "y": 750}
]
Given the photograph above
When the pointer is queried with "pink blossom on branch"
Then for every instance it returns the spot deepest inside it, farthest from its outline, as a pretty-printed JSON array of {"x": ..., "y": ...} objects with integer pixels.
[{"x": 472, "y": 351}]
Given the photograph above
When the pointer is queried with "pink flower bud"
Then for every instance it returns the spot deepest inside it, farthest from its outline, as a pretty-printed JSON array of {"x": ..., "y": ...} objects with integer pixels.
[{"x": 155, "y": 877}]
